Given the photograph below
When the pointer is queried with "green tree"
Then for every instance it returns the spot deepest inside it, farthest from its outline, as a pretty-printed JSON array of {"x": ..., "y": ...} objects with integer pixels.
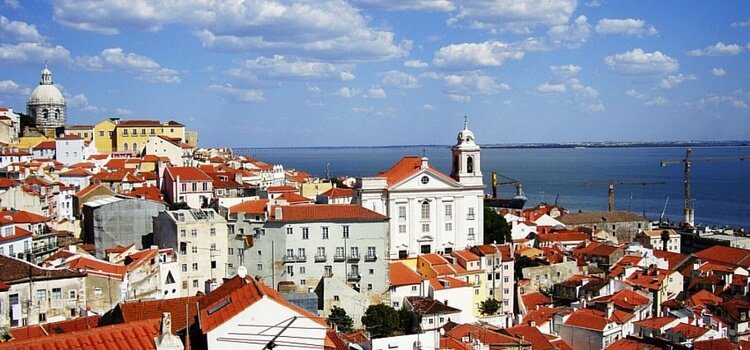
[
  {"x": 409, "y": 321},
  {"x": 343, "y": 322},
  {"x": 381, "y": 320},
  {"x": 496, "y": 229},
  {"x": 489, "y": 306},
  {"x": 523, "y": 262}
]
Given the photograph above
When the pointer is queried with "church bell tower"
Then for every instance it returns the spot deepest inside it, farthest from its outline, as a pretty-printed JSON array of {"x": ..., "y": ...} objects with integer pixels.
[{"x": 466, "y": 158}]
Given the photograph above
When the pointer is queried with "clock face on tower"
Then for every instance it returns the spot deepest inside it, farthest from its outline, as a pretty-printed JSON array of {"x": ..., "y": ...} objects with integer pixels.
[{"x": 425, "y": 180}]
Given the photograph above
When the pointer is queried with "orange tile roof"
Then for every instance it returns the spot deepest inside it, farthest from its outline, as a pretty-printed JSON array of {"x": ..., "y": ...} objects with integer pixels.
[
  {"x": 401, "y": 275},
  {"x": 134, "y": 311},
  {"x": 237, "y": 294},
  {"x": 541, "y": 315},
  {"x": 326, "y": 212},
  {"x": 76, "y": 172},
  {"x": 250, "y": 207},
  {"x": 134, "y": 335},
  {"x": 442, "y": 283},
  {"x": 588, "y": 320},
  {"x": 407, "y": 167},
  {"x": 651, "y": 279},
  {"x": 97, "y": 267},
  {"x": 632, "y": 344},
  {"x": 279, "y": 189},
  {"x": 566, "y": 236},
  {"x": 293, "y": 198},
  {"x": 714, "y": 344},
  {"x": 533, "y": 335},
  {"x": 25, "y": 217},
  {"x": 6, "y": 182},
  {"x": 146, "y": 192},
  {"x": 188, "y": 174},
  {"x": 625, "y": 299},
  {"x": 48, "y": 144},
  {"x": 136, "y": 122},
  {"x": 726, "y": 255},
  {"x": 466, "y": 255},
  {"x": 689, "y": 331},
  {"x": 655, "y": 322},
  {"x": 533, "y": 300},
  {"x": 48, "y": 329},
  {"x": 18, "y": 233},
  {"x": 485, "y": 336},
  {"x": 704, "y": 298},
  {"x": 338, "y": 193}
]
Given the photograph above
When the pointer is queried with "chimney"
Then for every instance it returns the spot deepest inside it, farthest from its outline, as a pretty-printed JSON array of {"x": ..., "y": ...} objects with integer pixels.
[
  {"x": 610, "y": 309},
  {"x": 165, "y": 340},
  {"x": 424, "y": 164},
  {"x": 278, "y": 213}
]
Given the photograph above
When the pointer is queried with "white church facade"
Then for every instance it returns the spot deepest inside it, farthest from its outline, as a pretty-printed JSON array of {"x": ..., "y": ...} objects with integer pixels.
[{"x": 429, "y": 211}]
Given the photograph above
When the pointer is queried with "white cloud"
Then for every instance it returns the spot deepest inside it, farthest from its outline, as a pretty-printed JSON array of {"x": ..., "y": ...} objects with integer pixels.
[
  {"x": 472, "y": 84},
  {"x": 81, "y": 103},
  {"x": 718, "y": 49},
  {"x": 400, "y": 79},
  {"x": 33, "y": 53},
  {"x": 635, "y": 94},
  {"x": 638, "y": 62},
  {"x": 565, "y": 71},
  {"x": 468, "y": 56},
  {"x": 10, "y": 88},
  {"x": 737, "y": 99},
  {"x": 115, "y": 59},
  {"x": 123, "y": 111},
  {"x": 428, "y": 107},
  {"x": 671, "y": 81},
  {"x": 19, "y": 31},
  {"x": 507, "y": 103},
  {"x": 570, "y": 36},
  {"x": 626, "y": 26},
  {"x": 376, "y": 92},
  {"x": 405, "y": 5},
  {"x": 330, "y": 29},
  {"x": 719, "y": 72},
  {"x": 548, "y": 88},
  {"x": 237, "y": 94},
  {"x": 14, "y": 4},
  {"x": 279, "y": 67},
  {"x": 459, "y": 98},
  {"x": 314, "y": 89},
  {"x": 416, "y": 64},
  {"x": 658, "y": 101},
  {"x": 519, "y": 16},
  {"x": 594, "y": 3},
  {"x": 346, "y": 92},
  {"x": 741, "y": 24}
]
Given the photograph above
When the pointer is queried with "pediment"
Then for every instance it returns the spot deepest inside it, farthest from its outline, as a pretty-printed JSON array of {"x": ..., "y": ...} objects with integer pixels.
[{"x": 434, "y": 181}]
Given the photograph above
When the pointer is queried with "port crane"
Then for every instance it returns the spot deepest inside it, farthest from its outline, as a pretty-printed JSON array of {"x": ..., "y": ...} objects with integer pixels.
[
  {"x": 511, "y": 181},
  {"x": 611, "y": 185},
  {"x": 689, "y": 213}
]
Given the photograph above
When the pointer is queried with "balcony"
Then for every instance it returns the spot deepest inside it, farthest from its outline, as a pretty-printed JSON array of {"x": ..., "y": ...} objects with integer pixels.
[
  {"x": 371, "y": 257},
  {"x": 44, "y": 248},
  {"x": 301, "y": 258},
  {"x": 339, "y": 257},
  {"x": 288, "y": 259},
  {"x": 353, "y": 276},
  {"x": 353, "y": 257},
  {"x": 320, "y": 258}
]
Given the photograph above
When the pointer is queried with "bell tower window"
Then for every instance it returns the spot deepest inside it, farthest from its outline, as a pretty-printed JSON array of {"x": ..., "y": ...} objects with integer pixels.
[{"x": 470, "y": 164}]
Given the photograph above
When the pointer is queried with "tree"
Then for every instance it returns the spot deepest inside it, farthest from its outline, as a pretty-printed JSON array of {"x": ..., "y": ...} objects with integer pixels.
[
  {"x": 381, "y": 320},
  {"x": 410, "y": 321},
  {"x": 343, "y": 322},
  {"x": 489, "y": 307},
  {"x": 523, "y": 262},
  {"x": 496, "y": 229}
]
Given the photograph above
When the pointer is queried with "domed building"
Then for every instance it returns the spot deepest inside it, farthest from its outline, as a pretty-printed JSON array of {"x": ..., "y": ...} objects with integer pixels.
[{"x": 46, "y": 104}]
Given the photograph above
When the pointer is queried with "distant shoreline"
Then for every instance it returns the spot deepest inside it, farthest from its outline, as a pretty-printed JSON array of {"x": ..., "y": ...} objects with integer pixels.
[{"x": 665, "y": 144}]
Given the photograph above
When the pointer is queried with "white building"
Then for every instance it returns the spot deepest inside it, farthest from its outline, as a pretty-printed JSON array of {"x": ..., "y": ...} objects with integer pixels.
[
  {"x": 405, "y": 283},
  {"x": 179, "y": 153},
  {"x": 14, "y": 241},
  {"x": 430, "y": 212},
  {"x": 69, "y": 149},
  {"x": 660, "y": 239},
  {"x": 200, "y": 238}
]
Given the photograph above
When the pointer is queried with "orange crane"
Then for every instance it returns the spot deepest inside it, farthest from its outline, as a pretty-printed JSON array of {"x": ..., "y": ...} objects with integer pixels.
[
  {"x": 611, "y": 184},
  {"x": 689, "y": 213}
]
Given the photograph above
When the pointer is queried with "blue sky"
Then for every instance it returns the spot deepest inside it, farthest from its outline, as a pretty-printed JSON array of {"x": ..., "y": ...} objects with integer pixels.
[{"x": 326, "y": 73}]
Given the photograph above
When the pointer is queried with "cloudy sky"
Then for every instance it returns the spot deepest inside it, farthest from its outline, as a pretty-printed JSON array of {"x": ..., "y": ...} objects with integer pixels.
[{"x": 384, "y": 72}]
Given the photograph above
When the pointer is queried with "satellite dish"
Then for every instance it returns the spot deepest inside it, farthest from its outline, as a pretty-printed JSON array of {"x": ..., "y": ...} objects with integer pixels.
[{"x": 242, "y": 271}]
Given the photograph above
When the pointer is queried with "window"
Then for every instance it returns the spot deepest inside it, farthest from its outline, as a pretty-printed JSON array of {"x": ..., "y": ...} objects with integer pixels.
[
  {"x": 301, "y": 252},
  {"x": 290, "y": 252},
  {"x": 402, "y": 212},
  {"x": 476, "y": 291},
  {"x": 194, "y": 233},
  {"x": 403, "y": 254},
  {"x": 302, "y": 270},
  {"x": 290, "y": 230},
  {"x": 325, "y": 232},
  {"x": 213, "y": 231},
  {"x": 470, "y": 216},
  {"x": 97, "y": 291},
  {"x": 413, "y": 288},
  {"x": 335, "y": 298},
  {"x": 425, "y": 180},
  {"x": 401, "y": 228},
  {"x": 56, "y": 293},
  {"x": 425, "y": 228},
  {"x": 371, "y": 252},
  {"x": 135, "y": 146},
  {"x": 213, "y": 264},
  {"x": 153, "y": 131},
  {"x": 195, "y": 250},
  {"x": 339, "y": 251},
  {"x": 184, "y": 185},
  {"x": 205, "y": 186},
  {"x": 195, "y": 283},
  {"x": 328, "y": 270},
  {"x": 101, "y": 133},
  {"x": 230, "y": 251},
  {"x": 369, "y": 286},
  {"x": 321, "y": 251},
  {"x": 305, "y": 234},
  {"x": 345, "y": 229},
  {"x": 184, "y": 267},
  {"x": 125, "y": 146},
  {"x": 470, "y": 164},
  {"x": 371, "y": 271},
  {"x": 72, "y": 295},
  {"x": 125, "y": 133},
  {"x": 260, "y": 267},
  {"x": 506, "y": 279},
  {"x": 42, "y": 317},
  {"x": 183, "y": 233},
  {"x": 425, "y": 210},
  {"x": 448, "y": 226},
  {"x": 448, "y": 211},
  {"x": 425, "y": 249},
  {"x": 290, "y": 270},
  {"x": 354, "y": 252},
  {"x": 303, "y": 281},
  {"x": 143, "y": 131},
  {"x": 195, "y": 187},
  {"x": 41, "y": 295},
  {"x": 195, "y": 266}
]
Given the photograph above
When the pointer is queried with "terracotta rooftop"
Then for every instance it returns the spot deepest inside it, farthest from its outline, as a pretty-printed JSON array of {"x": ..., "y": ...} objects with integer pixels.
[
  {"x": 714, "y": 344},
  {"x": 689, "y": 331},
  {"x": 402, "y": 275},
  {"x": 24, "y": 217},
  {"x": 127, "y": 336},
  {"x": 328, "y": 212},
  {"x": 53, "y": 328},
  {"x": 127, "y": 123},
  {"x": 405, "y": 168},
  {"x": 486, "y": 336},
  {"x": 441, "y": 283},
  {"x": 531, "y": 334},
  {"x": 424, "y": 306},
  {"x": 338, "y": 193},
  {"x": 188, "y": 174},
  {"x": 533, "y": 300},
  {"x": 133, "y": 311},
  {"x": 726, "y": 255},
  {"x": 632, "y": 344},
  {"x": 250, "y": 207}
]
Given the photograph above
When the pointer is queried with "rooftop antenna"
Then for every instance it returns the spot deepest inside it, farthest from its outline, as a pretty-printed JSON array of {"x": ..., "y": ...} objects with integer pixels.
[{"x": 466, "y": 122}]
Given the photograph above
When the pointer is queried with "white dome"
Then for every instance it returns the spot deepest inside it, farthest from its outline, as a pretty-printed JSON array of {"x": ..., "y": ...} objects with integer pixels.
[{"x": 46, "y": 94}]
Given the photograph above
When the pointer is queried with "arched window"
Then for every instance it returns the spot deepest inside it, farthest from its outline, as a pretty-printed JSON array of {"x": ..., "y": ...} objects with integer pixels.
[
  {"x": 470, "y": 164},
  {"x": 425, "y": 210},
  {"x": 57, "y": 113},
  {"x": 135, "y": 146},
  {"x": 126, "y": 146},
  {"x": 45, "y": 113}
]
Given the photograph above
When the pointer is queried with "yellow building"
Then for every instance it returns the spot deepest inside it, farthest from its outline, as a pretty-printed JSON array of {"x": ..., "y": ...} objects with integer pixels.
[
  {"x": 86, "y": 132},
  {"x": 30, "y": 141},
  {"x": 132, "y": 135},
  {"x": 462, "y": 265},
  {"x": 104, "y": 136}
]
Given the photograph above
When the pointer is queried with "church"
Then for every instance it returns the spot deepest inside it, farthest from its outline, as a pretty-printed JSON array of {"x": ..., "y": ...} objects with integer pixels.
[
  {"x": 47, "y": 106},
  {"x": 429, "y": 211}
]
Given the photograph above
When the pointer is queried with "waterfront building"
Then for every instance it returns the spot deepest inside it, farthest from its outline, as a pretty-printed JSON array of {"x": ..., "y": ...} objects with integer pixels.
[
  {"x": 200, "y": 238},
  {"x": 430, "y": 212}
]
